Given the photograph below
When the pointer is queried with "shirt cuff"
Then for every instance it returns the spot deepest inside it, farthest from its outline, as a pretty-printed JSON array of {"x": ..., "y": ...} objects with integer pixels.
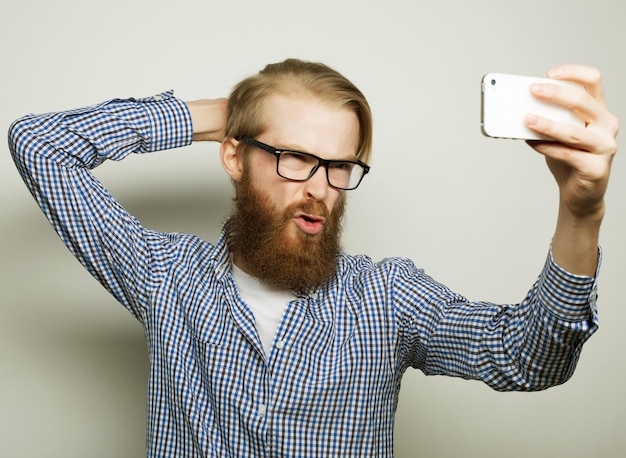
[
  {"x": 170, "y": 121},
  {"x": 570, "y": 296}
]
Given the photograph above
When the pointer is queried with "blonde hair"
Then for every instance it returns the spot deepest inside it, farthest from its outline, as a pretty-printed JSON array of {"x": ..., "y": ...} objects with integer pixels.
[{"x": 245, "y": 104}]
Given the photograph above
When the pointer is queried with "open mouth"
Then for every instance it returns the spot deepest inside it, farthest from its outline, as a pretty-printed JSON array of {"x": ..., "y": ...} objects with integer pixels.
[{"x": 311, "y": 224}]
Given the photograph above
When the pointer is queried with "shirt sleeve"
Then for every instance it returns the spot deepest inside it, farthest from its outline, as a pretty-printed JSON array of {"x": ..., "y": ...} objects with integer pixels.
[
  {"x": 527, "y": 346},
  {"x": 54, "y": 154}
]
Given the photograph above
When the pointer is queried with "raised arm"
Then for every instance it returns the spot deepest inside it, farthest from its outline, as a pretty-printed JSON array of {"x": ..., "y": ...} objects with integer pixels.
[
  {"x": 55, "y": 153},
  {"x": 580, "y": 161}
]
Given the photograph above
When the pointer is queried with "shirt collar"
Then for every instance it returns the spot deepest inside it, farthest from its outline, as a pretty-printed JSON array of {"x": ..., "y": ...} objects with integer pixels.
[{"x": 221, "y": 257}]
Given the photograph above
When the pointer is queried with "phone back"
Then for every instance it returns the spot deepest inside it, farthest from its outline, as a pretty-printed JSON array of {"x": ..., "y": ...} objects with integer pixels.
[{"x": 506, "y": 100}]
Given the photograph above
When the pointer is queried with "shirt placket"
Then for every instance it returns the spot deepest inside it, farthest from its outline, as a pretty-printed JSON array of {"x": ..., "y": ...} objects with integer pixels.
[
  {"x": 244, "y": 321},
  {"x": 279, "y": 364}
]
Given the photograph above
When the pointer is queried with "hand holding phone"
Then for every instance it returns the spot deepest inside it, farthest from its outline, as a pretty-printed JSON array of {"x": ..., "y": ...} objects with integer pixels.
[{"x": 506, "y": 100}]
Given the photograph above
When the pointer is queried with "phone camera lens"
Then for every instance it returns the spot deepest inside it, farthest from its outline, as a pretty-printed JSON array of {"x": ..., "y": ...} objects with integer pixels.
[{"x": 493, "y": 82}]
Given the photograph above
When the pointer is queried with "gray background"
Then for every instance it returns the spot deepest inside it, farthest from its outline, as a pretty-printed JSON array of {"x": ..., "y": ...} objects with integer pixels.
[{"x": 476, "y": 213}]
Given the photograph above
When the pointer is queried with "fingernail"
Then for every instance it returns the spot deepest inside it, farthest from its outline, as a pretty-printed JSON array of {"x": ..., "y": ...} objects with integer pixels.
[
  {"x": 554, "y": 72},
  {"x": 531, "y": 119}
]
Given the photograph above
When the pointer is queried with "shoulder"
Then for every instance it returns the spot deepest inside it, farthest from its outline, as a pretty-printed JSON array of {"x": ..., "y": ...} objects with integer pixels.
[
  {"x": 396, "y": 279},
  {"x": 364, "y": 266},
  {"x": 192, "y": 254}
]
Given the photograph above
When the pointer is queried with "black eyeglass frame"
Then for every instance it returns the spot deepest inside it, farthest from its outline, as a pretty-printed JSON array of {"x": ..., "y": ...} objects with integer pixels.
[{"x": 276, "y": 152}]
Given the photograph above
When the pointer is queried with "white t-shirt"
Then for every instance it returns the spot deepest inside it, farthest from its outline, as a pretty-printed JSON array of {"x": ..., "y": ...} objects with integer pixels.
[{"x": 266, "y": 302}]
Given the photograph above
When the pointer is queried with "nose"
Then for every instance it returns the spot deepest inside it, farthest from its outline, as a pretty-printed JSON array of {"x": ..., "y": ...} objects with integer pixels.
[{"x": 317, "y": 186}]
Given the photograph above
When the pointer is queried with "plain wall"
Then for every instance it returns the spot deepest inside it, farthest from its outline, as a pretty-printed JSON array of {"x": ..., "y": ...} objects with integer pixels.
[{"x": 476, "y": 213}]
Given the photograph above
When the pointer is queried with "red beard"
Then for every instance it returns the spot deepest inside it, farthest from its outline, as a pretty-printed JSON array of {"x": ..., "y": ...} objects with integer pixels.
[{"x": 261, "y": 237}]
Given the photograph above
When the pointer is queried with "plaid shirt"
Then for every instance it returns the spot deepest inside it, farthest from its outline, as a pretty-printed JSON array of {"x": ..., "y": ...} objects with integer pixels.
[{"x": 329, "y": 386}]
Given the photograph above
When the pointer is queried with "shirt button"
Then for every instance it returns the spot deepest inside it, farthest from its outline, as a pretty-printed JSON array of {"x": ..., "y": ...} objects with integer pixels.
[
  {"x": 280, "y": 344},
  {"x": 313, "y": 296},
  {"x": 262, "y": 409}
]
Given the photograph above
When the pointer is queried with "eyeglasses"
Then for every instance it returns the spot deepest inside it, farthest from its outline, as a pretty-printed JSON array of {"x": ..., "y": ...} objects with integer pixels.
[{"x": 299, "y": 166}]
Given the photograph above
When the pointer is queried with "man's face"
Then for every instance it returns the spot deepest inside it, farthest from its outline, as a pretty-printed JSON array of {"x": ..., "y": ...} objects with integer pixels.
[
  {"x": 286, "y": 232},
  {"x": 304, "y": 124}
]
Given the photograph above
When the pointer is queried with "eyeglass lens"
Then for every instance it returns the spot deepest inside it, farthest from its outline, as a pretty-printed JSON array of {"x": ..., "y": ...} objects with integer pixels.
[{"x": 298, "y": 166}]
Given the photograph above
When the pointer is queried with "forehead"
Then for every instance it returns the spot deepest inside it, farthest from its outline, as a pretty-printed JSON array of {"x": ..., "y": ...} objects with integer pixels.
[{"x": 308, "y": 123}]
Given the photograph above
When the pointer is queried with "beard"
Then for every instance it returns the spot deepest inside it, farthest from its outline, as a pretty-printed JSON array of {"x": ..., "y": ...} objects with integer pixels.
[{"x": 270, "y": 250}]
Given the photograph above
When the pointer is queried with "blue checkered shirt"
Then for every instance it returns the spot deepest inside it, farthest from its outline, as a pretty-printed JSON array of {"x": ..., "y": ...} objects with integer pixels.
[{"x": 329, "y": 386}]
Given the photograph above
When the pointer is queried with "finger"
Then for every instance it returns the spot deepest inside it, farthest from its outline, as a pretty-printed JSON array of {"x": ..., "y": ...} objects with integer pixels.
[
  {"x": 566, "y": 133},
  {"x": 554, "y": 150},
  {"x": 589, "y": 167},
  {"x": 589, "y": 77},
  {"x": 578, "y": 100},
  {"x": 591, "y": 139}
]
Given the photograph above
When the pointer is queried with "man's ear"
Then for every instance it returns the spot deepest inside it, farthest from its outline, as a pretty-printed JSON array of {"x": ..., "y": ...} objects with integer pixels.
[{"x": 232, "y": 158}]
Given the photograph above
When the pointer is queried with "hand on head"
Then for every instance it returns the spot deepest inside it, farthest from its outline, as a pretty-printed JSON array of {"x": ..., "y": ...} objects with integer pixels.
[{"x": 209, "y": 119}]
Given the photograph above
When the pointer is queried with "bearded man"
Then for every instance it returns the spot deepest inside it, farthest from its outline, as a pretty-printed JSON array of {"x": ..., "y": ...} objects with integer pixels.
[{"x": 273, "y": 341}]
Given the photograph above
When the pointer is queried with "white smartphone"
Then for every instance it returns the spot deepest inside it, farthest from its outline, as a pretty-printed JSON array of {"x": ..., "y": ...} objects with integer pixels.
[{"x": 506, "y": 100}]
